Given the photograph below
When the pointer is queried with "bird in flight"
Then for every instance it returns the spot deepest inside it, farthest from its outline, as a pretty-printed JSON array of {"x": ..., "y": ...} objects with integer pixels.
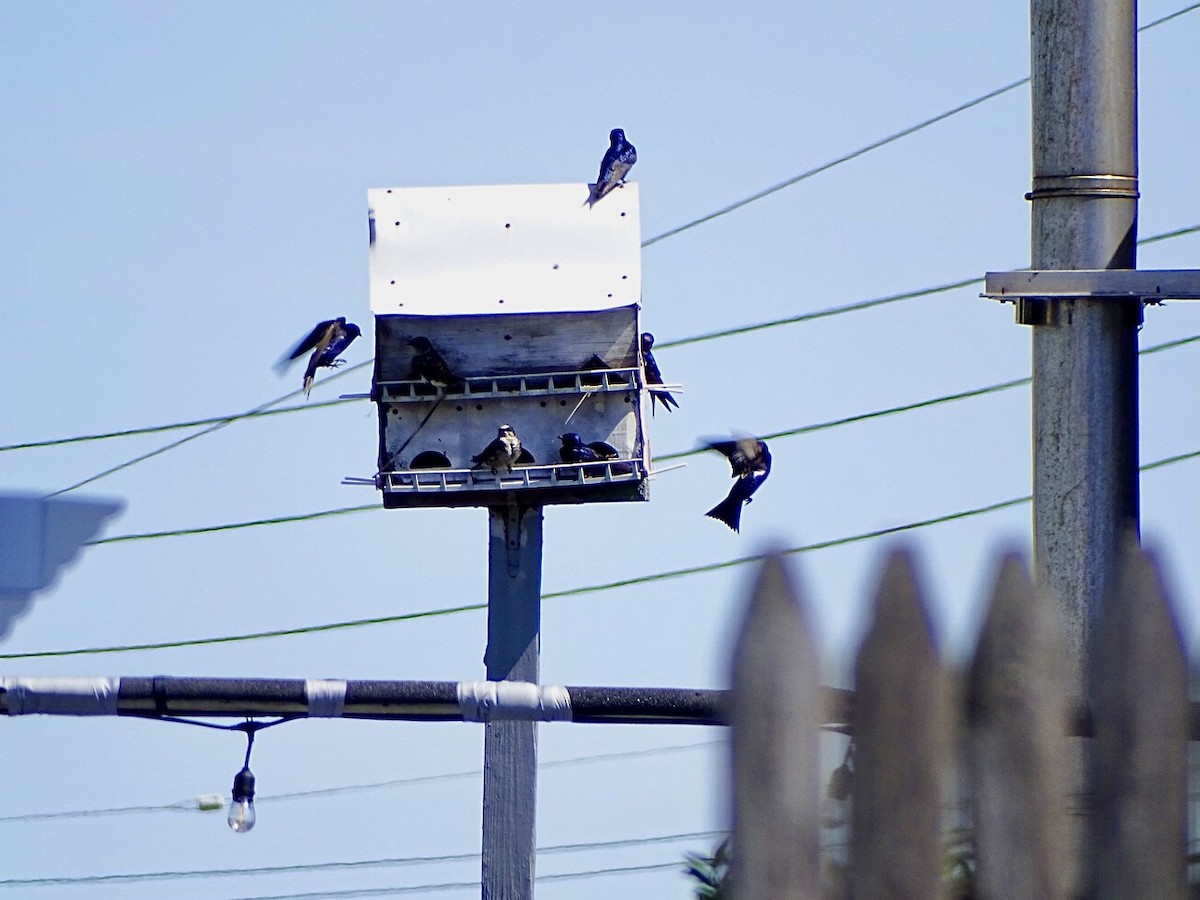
[
  {"x": 428, "y": 365},
  {"x": 500, "y": 453},
  {"x": 654, "y": 376},
  {"x": 326, "y": 341},
  {"x": 617, "y": 162},
  {"x": 750, "y": 461}
]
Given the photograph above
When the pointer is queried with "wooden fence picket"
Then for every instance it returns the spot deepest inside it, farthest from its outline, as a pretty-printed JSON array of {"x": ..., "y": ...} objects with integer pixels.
[
  {"x": 1023, "y": 728},
  {"x": 1140, "y": 716},
  {"x": 774, "y": 710},
  {"x": 1018, "y": 711},
  {"x": 899, "y": 743}
]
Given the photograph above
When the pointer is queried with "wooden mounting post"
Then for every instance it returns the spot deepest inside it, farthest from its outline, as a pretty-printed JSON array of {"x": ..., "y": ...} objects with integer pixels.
[{"x": 510, "y": 748}]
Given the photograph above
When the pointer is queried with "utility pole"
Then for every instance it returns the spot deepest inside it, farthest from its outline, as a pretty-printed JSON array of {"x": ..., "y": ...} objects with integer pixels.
[
  {"x": 510, "y": 748},
  {"x": 1085, "y": 376}
]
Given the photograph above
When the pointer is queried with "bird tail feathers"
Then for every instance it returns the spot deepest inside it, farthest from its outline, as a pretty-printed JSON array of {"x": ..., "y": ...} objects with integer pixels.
[{"x": 728, "y": 511}]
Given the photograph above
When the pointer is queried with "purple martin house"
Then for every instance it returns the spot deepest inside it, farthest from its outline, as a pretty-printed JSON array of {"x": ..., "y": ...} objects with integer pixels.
[{"x": 529, "y": 300}]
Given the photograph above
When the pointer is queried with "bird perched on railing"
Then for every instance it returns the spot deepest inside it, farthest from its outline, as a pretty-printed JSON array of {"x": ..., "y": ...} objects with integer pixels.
[
  {"x": 326, "y": 341},
  {"x": 750, "y": 461},
  {"x": 500, "y": 453},
  {"x": 574, "y": 450},
  {"x": 654, "y": 376},
  {"x": 428, "y": 365},
  {"x": 617, "y": 162}
]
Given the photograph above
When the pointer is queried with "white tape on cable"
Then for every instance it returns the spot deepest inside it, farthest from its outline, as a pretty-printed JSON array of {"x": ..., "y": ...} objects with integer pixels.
[
  {"x": 61, "y": 696},
  {"x": 498, "y": 701},
  {"x": 326, "y": 697}
]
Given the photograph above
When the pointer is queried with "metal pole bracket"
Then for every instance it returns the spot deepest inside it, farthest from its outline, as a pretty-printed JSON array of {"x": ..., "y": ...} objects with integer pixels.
[{"x": 1030, "y": 289}]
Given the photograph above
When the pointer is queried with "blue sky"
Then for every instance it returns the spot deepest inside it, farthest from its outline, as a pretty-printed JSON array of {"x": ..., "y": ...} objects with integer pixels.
[{"x": 184, "y": 195}]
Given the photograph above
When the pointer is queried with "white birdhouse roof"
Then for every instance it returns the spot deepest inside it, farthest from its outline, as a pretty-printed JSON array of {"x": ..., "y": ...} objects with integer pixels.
[{"x": 503, "y": 249}]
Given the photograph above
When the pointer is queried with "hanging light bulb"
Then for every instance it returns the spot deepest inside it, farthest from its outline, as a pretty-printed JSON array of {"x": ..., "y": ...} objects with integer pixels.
[{"x": 241, "y": 810}]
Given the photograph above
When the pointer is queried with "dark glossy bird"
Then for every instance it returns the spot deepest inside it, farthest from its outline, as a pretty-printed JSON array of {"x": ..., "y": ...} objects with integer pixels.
[
  {"x": 574, "y": 450},
  {"x": 500, "y": 453},
  {"x": 654, "y": 376},
  {"x": 751, "y": 463},
  {"x": 603, "y": 450},
  {"x": 428, "y": 365},
  {"x": 326, "y": 341},
  {"x": 614, "y": 167}
]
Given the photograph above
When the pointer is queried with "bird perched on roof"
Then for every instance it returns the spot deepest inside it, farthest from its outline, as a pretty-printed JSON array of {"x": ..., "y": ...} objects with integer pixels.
[
  {"x": 326, "y": 342},
  {"x": 428, "y": 365},
  {"x": 574, "y": 450},
  {"x": 617, "y": 162},
  {"x": 500, "y": 453},
  {"x": 654, "y": 376},
  {"x": 751, "y": 463}
]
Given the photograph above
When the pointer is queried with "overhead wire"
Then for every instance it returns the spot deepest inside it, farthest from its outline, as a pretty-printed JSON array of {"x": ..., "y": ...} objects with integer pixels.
[
  {"x": 572, "y": 592},
  {"x": 469, "y": 885},
  {"x": 263, "y": 407},
  {"x": 874, "y": 145},
  {"x": 173, "y": 426},
  {"x": 680, "y": 454},
  {"x": 343, "y": 865},
  {"x": 191, "y": 805},
  {"x": 267, "y": 410},
  {"x": 919, "y": 404},
  {"x": 808, "y": 173}
]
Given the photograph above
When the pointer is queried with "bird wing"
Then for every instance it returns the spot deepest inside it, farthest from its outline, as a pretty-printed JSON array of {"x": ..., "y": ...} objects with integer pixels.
[
  {"x": 653, "y": 375},
  {"x": 490, "y": 452},
  {"x": 603, "y": 450},
  {"x": 343, "y": 337},
  {"x": 313, "y": 339}
]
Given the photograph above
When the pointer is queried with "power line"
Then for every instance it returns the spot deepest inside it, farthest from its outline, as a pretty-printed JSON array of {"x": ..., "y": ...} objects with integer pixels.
[
  {"x": 680, "y": 454},
  {"x": 874, "y": 145},
  {"x": 383, "y": 862},
  {"x": 191, "y": 806},
  {"x": 191, "y": 437},
  {"x": 912, "y": 129},
  {"x": 264, "y": 410},
  {"x": 570, "y": 592},
  {"x": 920, "y": 404},
  {"x": 233, "y": 526},
  {"x": 824, "y": 167},
  {"x": 173, "y": 426},
  {"x": 822, "y": 313},
  {"x": 470, "y": 885}
]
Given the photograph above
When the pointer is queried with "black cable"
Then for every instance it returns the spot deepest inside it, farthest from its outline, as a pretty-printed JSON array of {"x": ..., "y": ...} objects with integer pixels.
[
  {"x": 209, "y": 430},
  {"x": 220, "y": 421},
  {"x": 679, "y": 454},
  {"x": 573, "y": 592},
  {"x": 190, "y": 806},
  {"x": 874, "y": 145},
  {"x": 384, "y": 862}
]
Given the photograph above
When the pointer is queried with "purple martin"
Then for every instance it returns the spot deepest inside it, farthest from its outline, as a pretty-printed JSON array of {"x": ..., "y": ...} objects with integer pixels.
[
  {"x": 500, "y": 453},
  {"x": 574, "y": 450},
  {"x": 654, "y": 376},
  {"x": 614, "y": 167},
  {"x": 751, "y": 463},
  {"x": 325, "y": 341},
  {"x": 428, "y": 365},
  {"x": 603, "y": 450}
]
